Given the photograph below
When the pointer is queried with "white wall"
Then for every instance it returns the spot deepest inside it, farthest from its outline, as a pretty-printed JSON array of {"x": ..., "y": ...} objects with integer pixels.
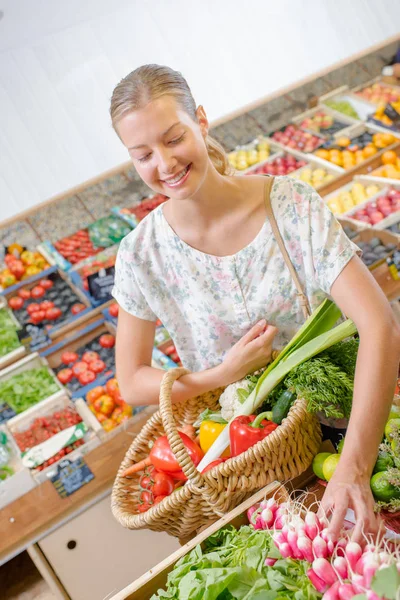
[{"x": 59, "y": 62}]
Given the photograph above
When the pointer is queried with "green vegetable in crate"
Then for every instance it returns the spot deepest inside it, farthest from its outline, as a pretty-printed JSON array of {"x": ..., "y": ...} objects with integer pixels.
[
  {"x": 25, "y": 389},
  {"x": 8, "y": 333},
  {"x": 108, "y": 231}
]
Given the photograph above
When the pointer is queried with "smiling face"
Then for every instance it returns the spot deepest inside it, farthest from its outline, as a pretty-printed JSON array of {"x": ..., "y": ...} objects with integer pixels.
[{"x": 167, "y": 146}]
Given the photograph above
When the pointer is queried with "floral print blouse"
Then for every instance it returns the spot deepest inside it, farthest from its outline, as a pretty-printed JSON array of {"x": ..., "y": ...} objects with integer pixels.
[{"x": 207, "y": 303}]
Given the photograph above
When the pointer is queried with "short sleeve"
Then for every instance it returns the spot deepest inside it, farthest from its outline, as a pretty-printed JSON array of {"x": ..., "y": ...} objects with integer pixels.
[
  {"x": 126, "y": 289},
  {"x": 322, "y": 236}
]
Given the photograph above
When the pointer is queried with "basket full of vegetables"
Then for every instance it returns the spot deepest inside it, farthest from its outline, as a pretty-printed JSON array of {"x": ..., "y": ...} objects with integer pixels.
[{"x": 167, "y": 483}]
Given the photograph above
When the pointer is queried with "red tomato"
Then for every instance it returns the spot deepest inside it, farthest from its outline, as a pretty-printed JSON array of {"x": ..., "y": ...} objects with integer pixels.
[
  {"x": 164, "y": 484},
  {"x": 25, "y": 294},
  {"x": 46, "y": 284},
  {"x": 143, "y": 507},
  {"x": 38, "y": 316},
  {"x": 17, "y": 269},
  {"x": 38, "y": 291},
  {"x": 79, "y": 367},
  {"x": 146, "y": 482},
  {"x": 95, "y": 393},
  {"x": 53, "y": 313},
  {"x": 112, "y": 386},
  {"x": 65, "y": 376},
  {"x": 68, "y": 358},
  {"x": 107, "y": 340},
  {"x": 97, "y": 366},
  {"x": 46, "y": 304},
  {"x": 15, "y": 303},
  {"x": 147, "y": 497},
  {"x": 159, "y": 499},
  {"x": 89, "y": 356},
  {"x": 113, "y": 310},
  {"x": 86, "y": 377},
  {"x": 31, "y": 308},
  {"x": 77, "y": 308}
]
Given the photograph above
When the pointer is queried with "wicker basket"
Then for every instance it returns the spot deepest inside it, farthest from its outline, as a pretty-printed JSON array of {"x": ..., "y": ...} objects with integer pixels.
[{"x": 284, "y": 454}]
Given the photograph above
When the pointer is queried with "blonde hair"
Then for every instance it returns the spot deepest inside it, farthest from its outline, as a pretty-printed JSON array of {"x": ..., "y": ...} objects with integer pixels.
[{"x": 150, "y": 82}]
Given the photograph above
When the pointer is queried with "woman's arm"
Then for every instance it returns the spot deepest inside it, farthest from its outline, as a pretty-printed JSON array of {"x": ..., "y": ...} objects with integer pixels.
[
  {"x": 360, "y": 298},
  {"x": 140, "y": 383}
]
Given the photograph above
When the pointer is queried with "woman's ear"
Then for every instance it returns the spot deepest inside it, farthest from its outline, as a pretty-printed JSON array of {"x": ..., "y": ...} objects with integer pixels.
[{"x": 202, "y": 121}]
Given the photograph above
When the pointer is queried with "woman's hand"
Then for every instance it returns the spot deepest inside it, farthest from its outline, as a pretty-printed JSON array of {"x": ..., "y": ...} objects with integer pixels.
[
  {"x": 349, "y": 488},
  {"x": 252, "y": 352}
]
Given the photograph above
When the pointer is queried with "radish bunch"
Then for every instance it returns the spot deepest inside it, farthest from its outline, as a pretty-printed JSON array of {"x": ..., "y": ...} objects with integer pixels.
[{"x": 338, "y": 569}]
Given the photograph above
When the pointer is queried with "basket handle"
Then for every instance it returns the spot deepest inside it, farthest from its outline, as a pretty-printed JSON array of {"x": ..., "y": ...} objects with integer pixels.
[{"x": 171, "y": 430}]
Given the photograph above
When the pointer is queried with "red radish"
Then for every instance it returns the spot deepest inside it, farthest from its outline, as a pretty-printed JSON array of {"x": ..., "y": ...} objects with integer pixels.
[
  {"x": 280, "y": 521},
  {"x": 370, "y": 569},
  {"x": 251, "y": 512},
  {"x": 304, "y": 545},
  {"x": 279, "y": 538},
  {"x": 353, "y": 554},
  {"x": 285, "y": 550},
  {"x": 319, "y": 547},
  {"x": 292, "y": 541},
  {"x": 340, "y": 566},
  {"x": 341, "y": 546},
  {"x": 312, "y": 525},
  {"x": 324, "y": 570},
  {"x": 319, "y": 585},
  {"x": 358, "y": 583},
  {"x": 268, "y": 517},
  {"x": 333, "y": 592},
  {"x": 346, "y": 591},
  {"x": 269, "y": 562}
]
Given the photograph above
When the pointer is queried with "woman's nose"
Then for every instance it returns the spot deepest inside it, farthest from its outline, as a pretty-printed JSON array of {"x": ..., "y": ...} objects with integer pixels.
[{"x": 166, "y": 162}]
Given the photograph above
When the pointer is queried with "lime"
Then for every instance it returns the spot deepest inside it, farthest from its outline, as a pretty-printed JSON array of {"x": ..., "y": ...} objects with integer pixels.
[
  {"x": 391, "y": 426},
  {"x": 329, "y": 466},
  {"x": 383, "y": 462},
  {"x": 382, "y": 489},
  {"x": 340, "y": 445},
  {"x": 394, "y": 412},
  {"x": 395, "y": 447},
  {"x": 318, "y": 463}
]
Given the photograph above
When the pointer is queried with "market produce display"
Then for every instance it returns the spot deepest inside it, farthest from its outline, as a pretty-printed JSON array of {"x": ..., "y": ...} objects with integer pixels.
[
  {"x": 94, "y": 266},
  {"x": 375, "y": 211},
  {"x": 77, "y": 247},
  {"x": 108, "y": 406},
  {"x": 390, "y": 166},
  {"x": 6, "y": 470},
  {"x": 20, "y": 265},
  {"x": 82, "y": 366},
  {"x": 52, "y": 301},
  {"x": 108, "y": 231},
  {"x": 343, "y": 201},
  {"x": 135, "y": 214},
  {"x": 250, "y": 155},
  {"x": 322, "y": 122},
  {"x": 43, "y": 428},
  {"x": 285, "y": 552},
  {"x": 349, "y": 152},
  {"x": 293, "y": 137},
  {"x": 23, "y": 390},
  {"x": 9, "y": 340},
  {"x": 379, "y": 93},
  {"x": 375, "y": 250},
  {"x": 343, "y": 106},
  {"x": 351, "y": 233},
  {"x": 281, "y": 165},
  {"x": 315, "y": 176},
  {"x": 388, "y": 115}
]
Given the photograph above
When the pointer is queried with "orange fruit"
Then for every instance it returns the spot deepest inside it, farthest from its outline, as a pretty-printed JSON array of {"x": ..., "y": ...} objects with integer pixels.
[
  {"x": 322, "y": 153},
  {"x": 379, "y": 141},
  {"x": 369, "y": 151},
  {"x": 389, "y": 157},
  {"x": 343, "y": 141},
  {"x": 388, "y": 138}
]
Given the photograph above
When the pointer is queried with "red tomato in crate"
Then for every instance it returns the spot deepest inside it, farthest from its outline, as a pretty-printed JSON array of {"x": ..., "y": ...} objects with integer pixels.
[
  {"x": 31, "y": 308},
  {"x": 15, "y": 303},
  {"x": 17, "y": 269},
  {"x": 38, "y": 291},
  {"x": 95, "y": 393},
  {"x": 86, "y": 377},
  {"x": 38, "y": 316},
  {"x": 65, "y": 376},
  {"x": 113, "y": 310},
  {"x": 97, "y": 366},
  {"x": 46, "y": 304},
  {"x": 68, "y": 358},
  {"x": 79, "y": 368},
  {"x": 53, "y": 313},
  {"x": 107, "y": 340},
  {"x": 112, "y": 386},
  {"x": 89, "y": 356},
  {"x": 24, "y": 294},
  {"x": 77, "y": 308},
  {"x": 46, "y": 283}
]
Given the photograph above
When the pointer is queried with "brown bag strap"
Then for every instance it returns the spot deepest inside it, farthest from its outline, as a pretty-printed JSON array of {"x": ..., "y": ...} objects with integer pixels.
[{"x": 305, "y": 307}]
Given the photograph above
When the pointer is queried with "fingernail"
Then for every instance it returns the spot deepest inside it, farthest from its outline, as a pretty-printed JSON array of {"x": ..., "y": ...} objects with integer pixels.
[{"x": 262, "y": 322}]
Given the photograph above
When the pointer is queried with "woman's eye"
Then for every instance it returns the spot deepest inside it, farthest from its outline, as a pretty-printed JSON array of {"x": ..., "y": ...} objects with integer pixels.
[
  {"x": 177, "y": 140},
  {"x": 144, "y": 158}
]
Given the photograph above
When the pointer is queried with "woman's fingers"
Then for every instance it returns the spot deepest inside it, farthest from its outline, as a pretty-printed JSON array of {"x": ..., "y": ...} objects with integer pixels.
[
  {"x": 265, "y": 339},
  {"x": 255, "y": 331}
]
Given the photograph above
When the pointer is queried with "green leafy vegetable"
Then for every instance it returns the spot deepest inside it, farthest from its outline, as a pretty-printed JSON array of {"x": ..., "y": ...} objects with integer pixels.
[
  {"x": 8, "y": 333},
  {"x": 386, "y": 582},
  {"x": 28, "y": 388}
]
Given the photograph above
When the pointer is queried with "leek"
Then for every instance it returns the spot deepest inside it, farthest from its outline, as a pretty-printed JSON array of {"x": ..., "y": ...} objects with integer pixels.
[{"x": 314, "y": 337}]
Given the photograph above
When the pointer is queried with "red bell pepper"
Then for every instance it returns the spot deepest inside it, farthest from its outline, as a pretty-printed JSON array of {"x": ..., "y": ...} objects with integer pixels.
[{"x": 245, "y": 431}]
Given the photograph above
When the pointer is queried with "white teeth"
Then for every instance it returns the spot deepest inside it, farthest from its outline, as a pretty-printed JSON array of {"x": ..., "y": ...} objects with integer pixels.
[{"x": 178, "y": 177}]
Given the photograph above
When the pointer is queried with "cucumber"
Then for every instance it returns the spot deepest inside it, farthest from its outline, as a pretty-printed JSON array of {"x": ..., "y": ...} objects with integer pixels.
[{"x": 282, "y": 407}]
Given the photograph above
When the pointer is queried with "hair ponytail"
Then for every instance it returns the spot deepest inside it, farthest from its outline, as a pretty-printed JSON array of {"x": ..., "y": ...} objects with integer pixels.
[{"x": 218, "y": 156}]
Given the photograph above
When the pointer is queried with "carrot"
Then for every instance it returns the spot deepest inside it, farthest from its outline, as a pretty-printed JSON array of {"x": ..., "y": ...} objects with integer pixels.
[
  {"x": 189, "y": 430},
  {"x": 139, "y": 466}
]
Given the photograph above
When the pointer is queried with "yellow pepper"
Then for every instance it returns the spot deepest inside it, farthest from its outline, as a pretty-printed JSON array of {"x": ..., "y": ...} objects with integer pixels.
[{"x": 209, "y": 431}]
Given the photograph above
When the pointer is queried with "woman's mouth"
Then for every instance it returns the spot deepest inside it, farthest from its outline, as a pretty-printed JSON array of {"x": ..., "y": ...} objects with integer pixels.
[{"x": 178, "y": 179}]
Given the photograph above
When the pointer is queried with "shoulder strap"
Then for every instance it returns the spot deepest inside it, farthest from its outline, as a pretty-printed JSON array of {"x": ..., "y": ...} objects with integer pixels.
[{"x": 270, "y": 214}]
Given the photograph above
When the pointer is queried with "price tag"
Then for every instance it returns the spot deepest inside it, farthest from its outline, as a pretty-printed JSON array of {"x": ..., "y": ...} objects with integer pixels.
[
  {"x": 6, "y": 412},
  {"x": 71, "y": 476},
  {"x": 392, "y": 113},
  {"x": 101, "y": 284},
  {"x": 34, "y": 337}
]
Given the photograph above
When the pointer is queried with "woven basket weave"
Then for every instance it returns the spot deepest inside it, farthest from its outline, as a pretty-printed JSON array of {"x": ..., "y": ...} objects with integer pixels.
[{"x": 284, "y": 454}]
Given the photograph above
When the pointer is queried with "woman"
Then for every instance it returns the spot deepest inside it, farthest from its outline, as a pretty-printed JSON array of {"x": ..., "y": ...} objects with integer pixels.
[{"x": 206, "y": 263}]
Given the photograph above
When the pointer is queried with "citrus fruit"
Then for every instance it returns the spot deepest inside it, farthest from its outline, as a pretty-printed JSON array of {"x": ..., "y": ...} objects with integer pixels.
[
  {"x": 329, "y": 466},
  {"x": 339, "y": 447},
  {"x": 382, "y": 489},
  {"x": 394, "y": 412},
  {"x": 383, "y": 462},
  {"x": 389, "y": 157},
  {"x": 318, "y": 462},
  {"x": 391, "y": 426}
]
